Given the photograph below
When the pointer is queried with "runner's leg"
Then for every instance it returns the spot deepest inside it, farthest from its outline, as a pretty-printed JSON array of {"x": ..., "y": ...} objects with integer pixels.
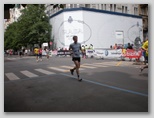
[{"x": 77, "y": 63}]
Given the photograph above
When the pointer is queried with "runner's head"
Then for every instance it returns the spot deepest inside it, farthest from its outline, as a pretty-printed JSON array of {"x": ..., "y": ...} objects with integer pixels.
[{"x": 75, "y": 39}]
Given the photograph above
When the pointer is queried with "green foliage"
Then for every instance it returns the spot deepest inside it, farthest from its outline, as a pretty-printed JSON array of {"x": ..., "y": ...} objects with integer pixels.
[{"x": 31, "y": 28}]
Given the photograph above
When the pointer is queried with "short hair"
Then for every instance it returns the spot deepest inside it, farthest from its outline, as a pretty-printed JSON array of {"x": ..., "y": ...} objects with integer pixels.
[{"x": 74, "y": 37}]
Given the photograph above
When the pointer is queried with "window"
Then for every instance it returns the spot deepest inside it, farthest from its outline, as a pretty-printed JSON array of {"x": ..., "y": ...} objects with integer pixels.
[
  {"x": 81, "y": 5},
  {"x": 71, "y": 5},
  {"x": 110, "y": 7},
  {"x": 135, "y": 11},
  {"x": 75, "y": 5},
  {"x": 142, "y": 11},
  {"x": 87, "y": 5},
  {"x": 104, "y": 6},
  {"x": 101, "y": 6},
  {"x": 125, "y": 9},
  {"x": 114, "y": 7},
  {"x": 122, "y": 9}
]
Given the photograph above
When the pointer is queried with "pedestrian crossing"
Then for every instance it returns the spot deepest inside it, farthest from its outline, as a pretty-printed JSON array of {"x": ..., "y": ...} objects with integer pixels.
[
  {"x": 44, "y": 71},
  {"x": 55, "y": 70},
  {"x": 12, "y": 76},
  {"x": 28, "y": 74}
]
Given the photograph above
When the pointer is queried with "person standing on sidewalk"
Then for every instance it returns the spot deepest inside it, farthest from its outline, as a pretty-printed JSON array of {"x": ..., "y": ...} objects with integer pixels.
[{"x": 75, "y": 49}]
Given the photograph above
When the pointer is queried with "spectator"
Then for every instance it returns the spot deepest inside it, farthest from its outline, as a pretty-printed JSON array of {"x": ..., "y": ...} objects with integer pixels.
[
  {"x": 40, "y": 54},
  {"x": 129, "y": 46},
  {"x": 115, "y": 46},
  {"x": 36, "y": 52},
  {"x": 83, "y": 51}
]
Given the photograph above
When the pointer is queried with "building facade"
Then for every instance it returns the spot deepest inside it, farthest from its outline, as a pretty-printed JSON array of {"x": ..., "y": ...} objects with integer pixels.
[
  {"x": 143, "y": 11},
  {"x": 131, "y": 30},
  {"x": 93, "y": 26},
  {"x": 121, "y": 8},
  {"x": 133, "y": 9},
  {"x": 15, "y": 13}
]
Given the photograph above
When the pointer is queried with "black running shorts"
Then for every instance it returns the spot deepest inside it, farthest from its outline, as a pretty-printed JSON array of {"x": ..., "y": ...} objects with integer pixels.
[{"x": 76, "y": 59}]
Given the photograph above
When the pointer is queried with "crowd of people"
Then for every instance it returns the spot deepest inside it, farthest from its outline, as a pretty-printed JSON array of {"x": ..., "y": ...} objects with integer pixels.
[{"x": 38, "y": 53}]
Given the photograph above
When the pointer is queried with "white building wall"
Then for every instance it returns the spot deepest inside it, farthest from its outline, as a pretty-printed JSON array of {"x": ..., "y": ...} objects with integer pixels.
[
  {"x": 104, "y": 26},
  {"x": 95, "y": 28},
  {"x": 72, "y": 27},
  {"x": 57, "y": 24}
]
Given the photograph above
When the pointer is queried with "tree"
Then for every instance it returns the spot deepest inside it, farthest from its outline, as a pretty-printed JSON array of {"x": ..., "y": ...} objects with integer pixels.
[
  {"x": 34, "y": 24},
  {"x": 31, "y": 28},
  {"x": 12, "y": 37}
]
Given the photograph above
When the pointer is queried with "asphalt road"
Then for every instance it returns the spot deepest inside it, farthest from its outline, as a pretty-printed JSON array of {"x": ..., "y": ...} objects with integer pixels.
[{"x": 48, "y": 86}]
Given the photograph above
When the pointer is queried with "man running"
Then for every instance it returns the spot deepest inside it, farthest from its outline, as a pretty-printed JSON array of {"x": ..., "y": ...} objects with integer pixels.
[
  {"x": 75, "y": 51},
  {"x": 36, "y": 52},
  {"x": 145, "y": 48}
]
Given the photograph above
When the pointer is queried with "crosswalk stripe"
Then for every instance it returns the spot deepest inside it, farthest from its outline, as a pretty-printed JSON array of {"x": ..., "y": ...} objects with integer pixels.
[
  {"x": 28, "y": 74},
  {"x": 86, "y": 66},
  {"x": 44, "y": 71},
  {"x": 70, "y": 67},
  {"x": 95, "y": 65},
  {"x": 58, "y": 69},
  {"x": 106, "y": 63},
  {"x": 11, "y": 76}
]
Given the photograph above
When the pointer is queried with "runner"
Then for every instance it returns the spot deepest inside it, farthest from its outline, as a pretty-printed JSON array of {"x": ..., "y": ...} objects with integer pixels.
[
  {"x": 75, "y": 51},
  {"x": 145, "y": 48},
  {"x": 36, "y": 51},
  {"x": 40, "y": 54}
]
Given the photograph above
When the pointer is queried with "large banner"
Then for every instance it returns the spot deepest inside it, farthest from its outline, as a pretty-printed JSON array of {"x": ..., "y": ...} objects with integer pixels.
[
  {"x": 104, "y": 53},
  {"x": 130, "y": 53},
  {"x": 112, "y": 53}
]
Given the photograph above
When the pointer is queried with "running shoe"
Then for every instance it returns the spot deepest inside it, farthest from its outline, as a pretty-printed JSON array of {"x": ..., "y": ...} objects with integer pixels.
[
  {"x": 141, "y": 69},
  {"x": 71, "y": 70},
  {"x": 80, "y": 79}
]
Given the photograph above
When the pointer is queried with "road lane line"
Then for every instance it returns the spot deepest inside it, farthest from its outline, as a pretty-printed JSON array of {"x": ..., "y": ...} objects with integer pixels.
[
  {"x": 11, "y": 76},
  {"x": 28, "y": 74},
  {"x": 108, "y": 86},
  {"x": 95, "y": 65},
  {"x": 44, "y": 71},
  {"x": 70, "y": 67},
  {"x": 118, "y": 63},
  {"x": 58, "y": 69},
  {"x": 87, "y": 67}
]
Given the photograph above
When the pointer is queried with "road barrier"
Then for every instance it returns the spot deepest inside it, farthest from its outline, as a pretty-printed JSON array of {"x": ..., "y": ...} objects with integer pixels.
[{"x": 115, "y": 54}]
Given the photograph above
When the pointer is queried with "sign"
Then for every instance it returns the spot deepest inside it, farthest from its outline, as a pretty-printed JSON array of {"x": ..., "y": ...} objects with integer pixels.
[
  {"x": 119, "y": 34},
  {"x": 36, "y": 45},
  {"x": 63, "y": 52},
  {"x": 45, "y": 44},
  {"x": 130, "y": 53},
  {"x": 112, "y": 53}
]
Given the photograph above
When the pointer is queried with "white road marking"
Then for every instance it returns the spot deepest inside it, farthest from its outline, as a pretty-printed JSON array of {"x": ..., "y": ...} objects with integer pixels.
[
  {"x": 58, "y": 69},
  {"x": 44, "y": 71},
  {"x": 87, "y": 66},
  {"x": 70, "y": 67},
  {"x": 28, "y": 74},
  {"x": 11, "y": 76},
  {"x": 95, "y": 65}
]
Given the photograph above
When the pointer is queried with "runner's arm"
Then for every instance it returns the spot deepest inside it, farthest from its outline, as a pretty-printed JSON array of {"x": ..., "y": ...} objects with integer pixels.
[{"x": 70, "y": 49}]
